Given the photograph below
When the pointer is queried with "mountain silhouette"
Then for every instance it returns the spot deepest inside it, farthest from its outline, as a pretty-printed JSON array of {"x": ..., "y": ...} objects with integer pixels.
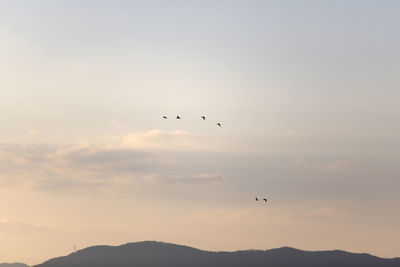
[
  {"x": 16, "y": 264},
  {"x": 159, "y": 254}
]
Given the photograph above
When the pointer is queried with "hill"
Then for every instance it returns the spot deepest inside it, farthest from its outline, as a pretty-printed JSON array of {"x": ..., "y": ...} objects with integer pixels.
[
  {"x": 16, "y": 264},
  {"x": 157, "y": 254}
]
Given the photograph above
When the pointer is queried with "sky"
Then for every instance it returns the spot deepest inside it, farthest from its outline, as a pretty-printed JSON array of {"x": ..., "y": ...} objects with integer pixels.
[{"x": 306, "y": 92}]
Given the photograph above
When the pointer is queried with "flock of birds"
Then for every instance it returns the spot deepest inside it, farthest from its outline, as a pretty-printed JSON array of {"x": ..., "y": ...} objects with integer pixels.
[
  {"x": 218, "y": 124},
  {"x": 203, "y": 117},
  {"x": 265, "y": 199}
]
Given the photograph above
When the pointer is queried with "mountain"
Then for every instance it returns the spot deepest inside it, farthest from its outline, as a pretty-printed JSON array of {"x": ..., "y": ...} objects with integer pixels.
[
  {"x": 16, "y": 264},
  {"x": 158, "y": 254}
]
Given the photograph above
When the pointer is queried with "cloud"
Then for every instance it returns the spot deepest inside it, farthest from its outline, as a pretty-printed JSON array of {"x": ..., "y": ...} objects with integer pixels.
[
  {"x": 323, "y": 165},
  {"x": 17, "y": 227},
  {"x": 73, "y": 168},
  {"x": 196, "y": 179},
  {"x": 138, "y": 159},
  {"x": 156, "y": 139},
  {"x": 31, "y": 132},
  {"x": 104, "y": 159}
]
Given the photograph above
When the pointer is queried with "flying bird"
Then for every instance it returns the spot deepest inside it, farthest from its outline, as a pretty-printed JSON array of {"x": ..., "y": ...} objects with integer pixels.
[
  {"x": 203, "y": 117},
  {"x": 257, "y": 199},
  {"x": 165, "y": 117},
  {"x": 219, "y": 124},
  {"x": 178, "y": 118},
  {"x": 265, "y": 199}
]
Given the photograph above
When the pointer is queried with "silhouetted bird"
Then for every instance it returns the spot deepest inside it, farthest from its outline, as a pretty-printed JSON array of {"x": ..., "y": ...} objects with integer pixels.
[
  {"x": 265, "y": 199},
  {"x": 219, "y": 124},
  {"x": 165, "y": 117},
  {"x": 178, "y": 118},
  {"x": 257, "y": 199},
  {"x": 203, "y": 117}
]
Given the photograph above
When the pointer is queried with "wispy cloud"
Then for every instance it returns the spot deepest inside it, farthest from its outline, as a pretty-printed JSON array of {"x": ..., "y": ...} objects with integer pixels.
[
  {"x": 72, "y": 168},
  {"x": 166, "y": 140},
  {"x": 104, "y": 159},
  {"x": 18, "y": 227},
  {"x": 196, "y": 179},
  {"x": 138, "y": 159}
]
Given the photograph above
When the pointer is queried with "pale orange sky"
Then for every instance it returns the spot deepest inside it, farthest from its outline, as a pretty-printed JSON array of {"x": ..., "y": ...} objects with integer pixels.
[{"x": 307, "y": 94}]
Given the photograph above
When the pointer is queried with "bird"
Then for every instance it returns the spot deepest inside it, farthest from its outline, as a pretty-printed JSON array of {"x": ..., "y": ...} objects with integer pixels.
[
  {"x": 178, "y": 118},
  {"x": 265, "y": 199},
  {"x": 165, "y": 117},
  {"x": 203, "y": 117},
  {"x": 219, "y": 124},
  {"x": 257, "y": 199}
]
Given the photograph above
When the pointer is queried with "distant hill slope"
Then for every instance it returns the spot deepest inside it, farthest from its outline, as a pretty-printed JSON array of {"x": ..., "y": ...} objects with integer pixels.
[
  {"x": 16, "y": 264},
  {"x": 156, "y": 254}
]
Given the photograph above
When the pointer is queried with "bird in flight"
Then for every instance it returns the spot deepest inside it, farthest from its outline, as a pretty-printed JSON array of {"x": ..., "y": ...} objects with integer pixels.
[
  {"x": 178, "y": 118},
  {"x": 203, "y": 117},
  {"x": 257, "y": 199},
  {"x": 219, "y": 124},
  {"x": 265, "y": 199},
  {"x": 165, "y": 117}
]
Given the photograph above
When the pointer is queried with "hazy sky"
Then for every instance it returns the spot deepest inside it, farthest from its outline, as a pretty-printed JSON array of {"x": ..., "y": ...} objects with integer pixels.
[{"x": 307, "y": 93}]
